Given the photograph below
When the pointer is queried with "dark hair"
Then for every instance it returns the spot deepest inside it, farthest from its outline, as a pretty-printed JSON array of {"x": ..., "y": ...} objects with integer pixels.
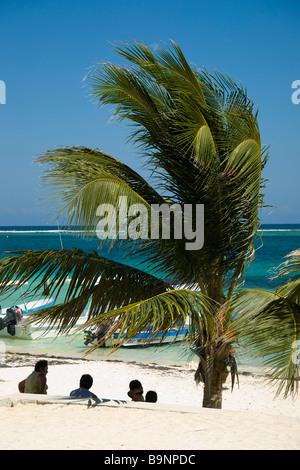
[
  {"x": 151, "y": 396},
  {"x": 40, "y": 365},
  {"x": 86, "y": 381},
  {"x": 135, "y": 384}
]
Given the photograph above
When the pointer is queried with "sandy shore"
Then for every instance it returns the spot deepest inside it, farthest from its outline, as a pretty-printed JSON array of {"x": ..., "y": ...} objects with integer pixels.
[{"x": 250, "y": 419}]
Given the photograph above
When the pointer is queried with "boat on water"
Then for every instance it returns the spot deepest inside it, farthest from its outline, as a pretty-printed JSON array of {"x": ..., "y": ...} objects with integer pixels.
[
  {"x": 145, "y": 338},
  {"x": 14, "y": 324},
  {"x": 14, "y": 320}
]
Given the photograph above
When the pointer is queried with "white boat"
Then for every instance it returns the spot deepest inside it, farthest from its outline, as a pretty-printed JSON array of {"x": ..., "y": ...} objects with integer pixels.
[
  {"x": 143, "y": 339},
  {"x": 23, "y": 330},
  {"x": 32, "y": 331},
  {"x": 146, "y": 338}
]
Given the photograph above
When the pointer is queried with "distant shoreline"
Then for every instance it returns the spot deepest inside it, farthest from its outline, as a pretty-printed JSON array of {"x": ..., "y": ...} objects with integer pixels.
[{"x": 56, "y": 228}]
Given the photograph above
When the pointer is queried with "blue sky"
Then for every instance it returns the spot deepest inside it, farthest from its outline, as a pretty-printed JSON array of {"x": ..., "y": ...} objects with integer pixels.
[{"x": 47, "y": 48}]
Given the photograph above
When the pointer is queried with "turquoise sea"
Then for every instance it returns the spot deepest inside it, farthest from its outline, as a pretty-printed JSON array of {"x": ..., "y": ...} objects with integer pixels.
[{"x": 277, "y": 241}]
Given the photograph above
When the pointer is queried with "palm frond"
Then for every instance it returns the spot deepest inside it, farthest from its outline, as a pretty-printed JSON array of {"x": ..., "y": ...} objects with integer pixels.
[
  {"x": 289, "y": 272},
  {"x": 80, "y": 179},
  {"x": 269, "y": 325},
  {"x": 160, "y": 313},
  {"x": 91, "y": 279},
  {"x": 113, "y": 291}
]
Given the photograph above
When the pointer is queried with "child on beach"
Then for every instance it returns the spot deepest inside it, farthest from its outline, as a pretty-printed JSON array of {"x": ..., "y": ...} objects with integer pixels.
[
  {"x": 86, "y": 381},
  {"x": 136, "y": 391},
  {"x": 151, "y": 396}
]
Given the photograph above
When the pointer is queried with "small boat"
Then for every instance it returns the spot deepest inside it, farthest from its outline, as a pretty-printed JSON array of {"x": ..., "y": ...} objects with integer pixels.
[
  {"x": 143, "y": 339},
  {"x": 13, "y": 321}
]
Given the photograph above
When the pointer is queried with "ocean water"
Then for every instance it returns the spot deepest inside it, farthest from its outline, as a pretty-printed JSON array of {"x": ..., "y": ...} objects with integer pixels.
[{"x": 277, "y": 241}]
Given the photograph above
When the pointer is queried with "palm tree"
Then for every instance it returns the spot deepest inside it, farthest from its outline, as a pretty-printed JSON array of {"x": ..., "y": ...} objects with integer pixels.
[
  {"x": 200, "y": 137},
  {"x": 268, "y": 323}
]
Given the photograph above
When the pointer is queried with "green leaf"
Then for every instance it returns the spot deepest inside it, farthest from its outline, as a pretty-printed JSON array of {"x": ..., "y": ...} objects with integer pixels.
[{"x": 269, "y": 326}]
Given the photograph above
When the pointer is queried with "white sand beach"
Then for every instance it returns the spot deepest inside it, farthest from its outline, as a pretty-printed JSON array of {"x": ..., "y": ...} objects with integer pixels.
[{"x": 251, "y": 417}]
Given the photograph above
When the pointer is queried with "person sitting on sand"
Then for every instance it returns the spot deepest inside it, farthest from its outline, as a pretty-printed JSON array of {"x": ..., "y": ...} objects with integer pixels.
[
  {"x": 36, "y": 382},
  {"x": 83, "y": 391},
  {"x": 136, "y": 391},
  {"x": 151, "y": 396}
]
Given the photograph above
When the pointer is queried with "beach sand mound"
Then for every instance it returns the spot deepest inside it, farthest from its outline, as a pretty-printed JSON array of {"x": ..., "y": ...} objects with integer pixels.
[{"x": 63, "y": 427}]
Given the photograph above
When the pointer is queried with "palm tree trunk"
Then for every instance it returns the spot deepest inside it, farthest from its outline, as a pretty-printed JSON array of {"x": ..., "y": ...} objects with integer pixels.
[
  {"x": 212, "y": 395},
  {"x": 212, "y": 371}
]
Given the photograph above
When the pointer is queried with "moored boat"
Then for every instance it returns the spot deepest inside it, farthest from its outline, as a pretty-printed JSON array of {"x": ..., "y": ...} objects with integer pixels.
[
  {"x": 18, "y": 327},
  {"x": 143, "y": 339}
]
